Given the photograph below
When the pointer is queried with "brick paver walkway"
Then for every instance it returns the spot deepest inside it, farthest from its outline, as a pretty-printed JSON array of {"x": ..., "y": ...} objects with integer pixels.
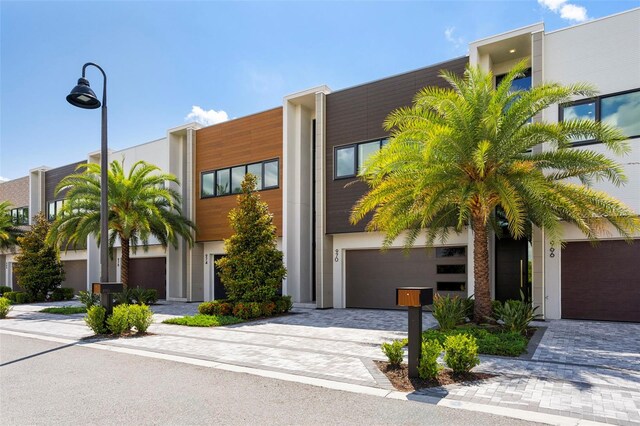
[{"x": 587, "y": 370}]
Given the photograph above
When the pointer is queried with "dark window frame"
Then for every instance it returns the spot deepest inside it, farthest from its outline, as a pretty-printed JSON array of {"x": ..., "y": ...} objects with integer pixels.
[
  {"x": 246, "y": 167},
  {"x": 20, "y": 216},
  {"x": 598, "y": 113},
  {"x": 53, "y": 217},
  {"x": 355, "y": 146}
]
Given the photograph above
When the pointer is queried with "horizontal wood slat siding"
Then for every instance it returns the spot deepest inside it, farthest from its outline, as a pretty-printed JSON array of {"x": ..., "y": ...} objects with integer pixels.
[
  {"x": 356, "y": 115},
  {"x": 241, "y": 141},
  {"x": 53, "y": 177}
]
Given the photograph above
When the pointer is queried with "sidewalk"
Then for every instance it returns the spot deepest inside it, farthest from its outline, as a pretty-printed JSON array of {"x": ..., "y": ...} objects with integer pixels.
[{"x": 583, "y": 370}]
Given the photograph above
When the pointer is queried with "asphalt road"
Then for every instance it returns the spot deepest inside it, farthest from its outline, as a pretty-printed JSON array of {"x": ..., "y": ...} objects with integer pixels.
[{"x": 43, "y": 382}]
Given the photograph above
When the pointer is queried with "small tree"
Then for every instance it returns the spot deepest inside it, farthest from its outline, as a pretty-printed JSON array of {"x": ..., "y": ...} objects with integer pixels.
[
  {"x": 253, "y": 269},
  {"x": 38, "y": 266}
]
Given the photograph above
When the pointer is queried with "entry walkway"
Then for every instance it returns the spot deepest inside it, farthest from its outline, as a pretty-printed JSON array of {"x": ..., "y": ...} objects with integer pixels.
[{"x": 580, "y": 369}]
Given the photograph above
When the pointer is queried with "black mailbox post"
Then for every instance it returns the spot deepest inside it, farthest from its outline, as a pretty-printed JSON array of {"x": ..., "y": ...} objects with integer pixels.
[
  {"x": 106, "y": 290},
  {"x": 414, "y": 298}
]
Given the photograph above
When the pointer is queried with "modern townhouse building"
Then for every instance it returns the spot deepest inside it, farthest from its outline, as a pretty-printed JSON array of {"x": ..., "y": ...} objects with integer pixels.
[
  {"x": 16, "y": 192},
  {"x": 307, "y": 153}
]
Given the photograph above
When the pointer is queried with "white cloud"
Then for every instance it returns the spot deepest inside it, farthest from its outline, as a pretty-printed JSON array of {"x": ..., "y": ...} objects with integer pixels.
[
  {"x": 206, "y": 118},
  {"x": 4, "y": 179},
  {"x": 568, "y": 11},
  {"x": 457, "y": 41}
]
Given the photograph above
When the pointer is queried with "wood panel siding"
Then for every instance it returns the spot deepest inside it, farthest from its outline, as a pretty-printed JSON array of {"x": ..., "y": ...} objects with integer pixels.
[
  {"x": 245, "y": 140},
  {"x": 356, "y": 115},
  {"x": 53, "y": 177}
]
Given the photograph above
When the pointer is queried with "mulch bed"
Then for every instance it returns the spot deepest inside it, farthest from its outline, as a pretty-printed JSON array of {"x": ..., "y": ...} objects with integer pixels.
[{"x": 399, "y": 377}]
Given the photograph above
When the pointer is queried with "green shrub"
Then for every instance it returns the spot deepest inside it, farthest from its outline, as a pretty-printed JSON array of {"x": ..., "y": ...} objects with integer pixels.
[
  {"x": 496, "y": 305},
  {"x": 204, "y": 320},
  {"x": 283, "y": 304},
  {"x": 4, "y": 289},
  {"x": 118, "y": 322},
  {"x": 11, "y": 295},
  {"x": 225, "y": 309},
  {"x": 89, "y": 299},
  {"x": 142, "y": 296},
  {"x": 267, "y": 308},
  {"x": 140, "y": 317},
  {"x": 461, "y": 353},
  {"x": 5, "y": 307},
  {"x": 448, "y": 311},
  {"x": 469, "y": 307},
  {"x": 516, "y": 314},
  {"x": 394, "y": 352},
  {"x": 496, "y": 342},
  {"x": 208, "y": 308},
  {"x": 255, "y": 309},
  {"x": 123, "y": 298},
  {"x": 65, "y": 310},
  {"x": 95, "y": 319},
  {"x": 22, "y": 298},
  {"x": 61, "y": 293},
  {"x": 242, "y": 310},
  {"x": 428, "y": 367}
]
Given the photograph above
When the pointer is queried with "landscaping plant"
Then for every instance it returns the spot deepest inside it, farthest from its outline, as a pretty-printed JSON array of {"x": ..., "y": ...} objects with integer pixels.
[
  {"x": 428, "y": 367},
  {"x": 494, "y": 342},
  {"x": 88, "y": 298},
  {"x": 9, "y": 233},
  {"x": 516, "y": 314},
  {"x": 394, "y": 352},
  {"x": 5, "y": 307},
  {"x": 118, "y": 321},
  {"x": 61, "y": 293},
  {"x": 449, "y": 311},
  {"x": 253, "y": 269},
  {"x": 461, "y": 353},
  {"x": 65, "y": 310},
  {"x": 4, "y": 289},
  {"x": 95, "y": 319},
  {"x": 140, "y": 317},
  {"x": 200, "y": 320}
]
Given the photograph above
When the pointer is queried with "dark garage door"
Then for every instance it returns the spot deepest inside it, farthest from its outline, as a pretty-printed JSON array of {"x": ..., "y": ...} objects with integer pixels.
[
  {"x": 372, "y": 276},
  {"x": 149, "y": 272},
  {"x": 75, "y": 275},
  {"x": 601, "y": 282}
]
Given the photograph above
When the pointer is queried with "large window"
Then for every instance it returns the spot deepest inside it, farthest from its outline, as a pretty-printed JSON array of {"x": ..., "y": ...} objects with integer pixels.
[
  {"x": 54, "y": 208},
  {"x": 618, "y": 109},
  {"x": 217, "y": 183},
  {"x": 520, "y": 83},
  {"x": 350, "y": 159},
  {"x": 20, "y": 216}
]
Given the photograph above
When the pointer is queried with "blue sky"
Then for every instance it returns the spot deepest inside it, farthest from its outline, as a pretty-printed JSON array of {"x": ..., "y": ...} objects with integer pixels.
[{"x": 166, "y": 60}]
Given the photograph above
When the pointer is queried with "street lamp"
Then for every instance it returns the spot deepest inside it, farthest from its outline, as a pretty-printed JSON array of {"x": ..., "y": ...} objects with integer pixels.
[{"x": 83, "y": 97}]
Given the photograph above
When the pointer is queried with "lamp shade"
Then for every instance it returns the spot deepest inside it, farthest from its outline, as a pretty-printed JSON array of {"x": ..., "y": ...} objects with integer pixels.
[{"x": 82, "y": 96}]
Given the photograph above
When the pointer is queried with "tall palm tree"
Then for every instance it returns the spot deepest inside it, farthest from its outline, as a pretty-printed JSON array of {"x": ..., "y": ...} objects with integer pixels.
[
  {"x": 459, "y": 153},
  {"x": 9, "y": 233},
  {"x": 140, "y": 206}
]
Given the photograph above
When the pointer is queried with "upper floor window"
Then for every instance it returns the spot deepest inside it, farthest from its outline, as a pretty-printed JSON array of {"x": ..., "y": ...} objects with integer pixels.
[
  {"x": 621, "y": 110},
  {"x": 520, "y": 83},
  {"x": 20, "y": 216},
  {"x": 227, "y": 181},
  {"x": 350, "y": 159},
  {"x": 54, "y": 208}
]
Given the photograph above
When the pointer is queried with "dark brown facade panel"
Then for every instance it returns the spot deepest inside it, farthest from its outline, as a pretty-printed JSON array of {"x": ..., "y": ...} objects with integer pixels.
[
  {"x": 601, "y": 282},
  {"x": 245, "y": 140},
  {"x": 149, "y": 273},
  {"x": 53, "y": 177},
  {"x": 357, "y": 115}
]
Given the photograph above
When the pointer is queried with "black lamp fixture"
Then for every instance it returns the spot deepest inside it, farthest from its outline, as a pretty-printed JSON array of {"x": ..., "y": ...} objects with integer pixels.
[{"x": 82, "y": 96}]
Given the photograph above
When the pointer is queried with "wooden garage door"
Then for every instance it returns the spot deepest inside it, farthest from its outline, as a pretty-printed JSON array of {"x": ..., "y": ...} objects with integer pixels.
[
  {"x": 75, "y": 275},
  {"x": 601, "y": 282},
  {"x": 149, "y": 272},
  {"x": 372, "y": 276}
]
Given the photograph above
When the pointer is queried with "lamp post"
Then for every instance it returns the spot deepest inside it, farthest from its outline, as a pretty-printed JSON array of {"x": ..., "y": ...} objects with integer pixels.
[{"x": 83, "y": 97}]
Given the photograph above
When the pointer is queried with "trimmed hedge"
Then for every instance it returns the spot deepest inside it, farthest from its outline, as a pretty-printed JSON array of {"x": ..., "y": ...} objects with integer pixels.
[{"x": 246, "y": 310}]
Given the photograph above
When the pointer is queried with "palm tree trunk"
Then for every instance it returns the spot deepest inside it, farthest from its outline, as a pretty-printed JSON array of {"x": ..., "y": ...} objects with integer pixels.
[
  {"x": 124, "y": 263},
  {"x": 482, "y": 296}
]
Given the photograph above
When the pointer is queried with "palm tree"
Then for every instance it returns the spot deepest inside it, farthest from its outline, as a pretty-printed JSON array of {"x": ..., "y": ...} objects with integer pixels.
[
  {"x": 9, "y": 233},
  {"x": 459, "y": 153},
  {"x": 140, "y": 206}
]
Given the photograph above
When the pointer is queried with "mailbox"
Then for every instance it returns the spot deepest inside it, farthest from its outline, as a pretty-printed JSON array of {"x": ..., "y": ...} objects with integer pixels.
[
  {"x": 414, "y": 296},
  {"x": 107, "y": 288}
]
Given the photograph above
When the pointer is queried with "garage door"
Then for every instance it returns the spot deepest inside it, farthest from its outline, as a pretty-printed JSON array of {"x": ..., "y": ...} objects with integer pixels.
[
  {"x": 372, "y": 276},
  {"x": 601, "y": 282},
  {"x": 75, "y": 275},
  {"x": 149, "y": 272}
]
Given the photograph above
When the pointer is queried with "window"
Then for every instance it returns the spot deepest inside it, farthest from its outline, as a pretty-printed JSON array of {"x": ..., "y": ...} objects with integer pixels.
[
  {"x": 350, "y": 159},
  {"x": 450, "y": 252},
  {"x": 20, "y": 216},
  {"x": 54, "y": 208},
  {"x": 520, "y": 83},
  {"x": 450, "y": 269},
  {"x": 452, "y": 286},
  {"x": 227, "y": 181},
  {"x": 619, "y": 109}
]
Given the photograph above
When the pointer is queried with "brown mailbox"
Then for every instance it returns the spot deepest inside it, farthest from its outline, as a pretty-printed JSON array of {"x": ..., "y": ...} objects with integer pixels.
[
  {"x": 414, "y": 296},
  {"x": 107, "y": 288}
]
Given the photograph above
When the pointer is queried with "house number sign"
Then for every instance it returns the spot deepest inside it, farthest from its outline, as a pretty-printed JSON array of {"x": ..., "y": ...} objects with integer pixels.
[{"x": 336, "y": 259}]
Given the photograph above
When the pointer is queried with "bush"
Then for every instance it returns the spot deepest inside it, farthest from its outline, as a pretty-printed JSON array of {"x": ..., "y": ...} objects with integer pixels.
[
  {"x": 95, "y": 319},
  {"x": 142, "y": 296},
  {"x": 255, "y": 309},
  {"x": 11, "y": 295},
  {"x": 204, "y": 320},
  {"x": 267, "y": 308},
  {"x": 394, "y": 352},
  {"x": 208, "y": 308},
  {"x": 140, "y": 317},
  {"x": 428, "y": 367},
  {"x": 5, "y": 307},
  {"x": 22, "y": 298},
  {"x": 4, "y": 289},
  {"x": 89, "y": 299},
  {"x": 123, "y": 298},
  {"x": 242, "y": 310},
  {"x": 461, "y": 353},
  {"x": 449, "y": 311},
  {"x": 283, "y": 304},
  {"x": 469, "y": 307},
  {"x": 489, "y": 342},
  {"x": 61, "y": 293},
  {"x": 118, "y": 322},
  {"x": 516, "y": 314},
  {"x": 225, "y": 309}
]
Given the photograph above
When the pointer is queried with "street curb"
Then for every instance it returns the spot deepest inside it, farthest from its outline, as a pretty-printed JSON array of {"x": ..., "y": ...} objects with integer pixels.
[{"x": 551, "y": 419}]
